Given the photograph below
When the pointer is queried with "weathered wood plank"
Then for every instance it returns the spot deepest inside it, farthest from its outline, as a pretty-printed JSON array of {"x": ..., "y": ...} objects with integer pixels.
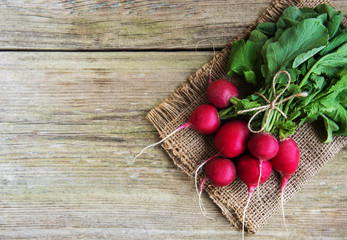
[
  {"x": 123, "y": 24},
  {"x": 70, "y": 123},
  {"x": 137, "y": 24}
]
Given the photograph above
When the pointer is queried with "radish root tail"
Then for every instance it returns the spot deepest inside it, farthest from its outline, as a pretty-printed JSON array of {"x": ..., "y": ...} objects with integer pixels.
[
  {"x": 244, "y": 214},
  {"x": 154, "y": 144},
  {"x": 214, "y": 55},
  {"x": 258, "y": 185},
  {"x": 282, "y": 204},
  {"x": 283, "y": 185},
  {"x": 199, "y": 190},
  {"x": 201, "y": 205}
]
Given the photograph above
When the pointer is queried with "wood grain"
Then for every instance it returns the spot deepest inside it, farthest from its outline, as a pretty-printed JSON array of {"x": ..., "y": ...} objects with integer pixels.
[
  {"x": 123, "y": 24},
  {"x": 95, "y": 25},
  {"x": 70, "y": 124}
]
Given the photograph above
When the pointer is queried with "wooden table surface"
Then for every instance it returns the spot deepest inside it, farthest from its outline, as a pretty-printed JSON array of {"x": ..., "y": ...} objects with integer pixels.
[{"x": 77, "y": 79}]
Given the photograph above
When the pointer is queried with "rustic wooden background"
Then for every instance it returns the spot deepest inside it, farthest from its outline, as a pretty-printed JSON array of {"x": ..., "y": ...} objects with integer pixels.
[{"x": 77, "y": 79}]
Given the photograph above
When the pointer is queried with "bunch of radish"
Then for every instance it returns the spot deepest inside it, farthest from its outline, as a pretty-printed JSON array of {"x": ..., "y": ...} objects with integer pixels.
[
  {"x": 273, "y": 49},
  {"x": 232, "y": 140}
]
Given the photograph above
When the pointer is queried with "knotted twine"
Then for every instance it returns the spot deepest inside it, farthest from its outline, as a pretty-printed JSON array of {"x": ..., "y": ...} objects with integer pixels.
[{"x": 272, "y": 105}]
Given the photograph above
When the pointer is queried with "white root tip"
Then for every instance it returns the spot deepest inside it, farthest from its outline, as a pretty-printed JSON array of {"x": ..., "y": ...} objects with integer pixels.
[
  {"x": 202, "y": 209},
  {"x": 282, "y": 204},
  {"x": 258, "y": 184},
  {"x": 154, "y": 144},
  {"x": 201, "y": 205},
  {"x": 199, "y": 191},
  {"x": 244, "y": 215}
]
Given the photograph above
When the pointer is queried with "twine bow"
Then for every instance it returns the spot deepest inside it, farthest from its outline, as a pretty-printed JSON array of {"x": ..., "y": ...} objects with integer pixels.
[{"x": 272, "y": 105}]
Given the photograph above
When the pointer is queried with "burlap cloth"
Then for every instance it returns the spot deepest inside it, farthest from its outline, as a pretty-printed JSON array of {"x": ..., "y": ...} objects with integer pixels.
[{"x": 188, "y": 148}]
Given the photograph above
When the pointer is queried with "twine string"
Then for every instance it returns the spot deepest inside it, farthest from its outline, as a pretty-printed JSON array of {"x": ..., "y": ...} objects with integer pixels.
[{"x": 272, "y": 105}]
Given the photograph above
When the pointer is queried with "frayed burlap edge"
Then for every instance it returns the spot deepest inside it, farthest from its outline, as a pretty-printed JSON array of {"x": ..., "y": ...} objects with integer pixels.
[{"x": 188, "y": 148}]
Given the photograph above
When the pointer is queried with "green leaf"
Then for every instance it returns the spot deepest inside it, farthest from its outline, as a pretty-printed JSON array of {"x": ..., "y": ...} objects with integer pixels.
[
  {"x": 247, "y": 104},
  {"x": 255, "y": 97},
  {"x": 304, "y": 56},
  {"x": 311, "y": 62},
  {"x": 336, "y": 42},
  {"x": 282, "y": 79},
  {"x": 312, "y": 114},
  {"x": 295, "y": 113},
  {"x": 278, "y": 34},
  {"x": 342, "y": 50},
  {"x": 289, "y": 15},
  {"x": 285, "y": 129},
  {"x": 293, "y": 42},
  {"x": 305, "y": 10},
  {"x": 334, "y": 25},
  {"x": 305, "y": 67},
  {"x": 331, "y": 63},
  {"x": 264, "y": 69},
  {"x": 344, "y": 102},
  {"x": 250, "y": 77},
  {"x": 335, "y": 122},
  {"x": 293, "y": 89},
  {"x": 334, "y": 18},
  {"x": 267, "y": 28},
  {"x": 323, "y": 18},
  {"x": 289, "y": 22},
  {"x": 318, "y": 82},
  {"x": 325, "y": 8},
  {"x": 339, "y": 116},
  {"x": 308, "y": 13},
  {"x": 238, "y": 105},
  {"x": 330, "y": 127},
  {"x": 259, "y": 38},
  {"x": 328, "y": 65},
  {"x": 328, "y": 105},
  {"x": 336, "y": 92},
  {"x": 243, "y": 58}
]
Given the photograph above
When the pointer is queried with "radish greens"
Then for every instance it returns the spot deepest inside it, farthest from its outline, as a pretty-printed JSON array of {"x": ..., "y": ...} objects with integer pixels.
[{"x": 311, "y": 45}]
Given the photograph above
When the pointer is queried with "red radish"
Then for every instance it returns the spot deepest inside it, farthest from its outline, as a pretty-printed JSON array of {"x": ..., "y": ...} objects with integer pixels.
[
  {"x": 219, "y": 171},
  {"x": 204, "y": 119},
  {"x": 249, "y": 172},
  {"x": 286, "y": 162},
  {"x": 231, "y": 139},
  {"x": 220, "y": 91},
  {"x": 263, "y": 146}
]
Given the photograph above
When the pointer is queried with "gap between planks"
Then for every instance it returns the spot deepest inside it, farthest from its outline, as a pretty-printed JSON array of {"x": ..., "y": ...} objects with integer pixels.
[{"x": 116, "y": 50}]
